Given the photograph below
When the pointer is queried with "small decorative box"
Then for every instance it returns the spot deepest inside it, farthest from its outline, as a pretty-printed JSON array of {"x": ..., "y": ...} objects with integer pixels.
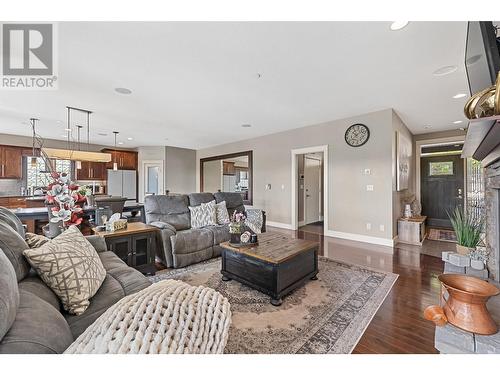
[{"x": 116, "y": 225}]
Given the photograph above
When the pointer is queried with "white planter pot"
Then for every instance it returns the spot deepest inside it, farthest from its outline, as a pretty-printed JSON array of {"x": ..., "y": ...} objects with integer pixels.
[{"x": 477, "y": 264}]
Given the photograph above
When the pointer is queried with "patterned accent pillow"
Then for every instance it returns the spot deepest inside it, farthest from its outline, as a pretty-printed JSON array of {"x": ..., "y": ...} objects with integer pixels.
[
  {"x": 222, "y": 214},
  {"x": 35, "y": 240},
  {"x": 203, "y": 215},
  {"x": 70, "y": 266}
]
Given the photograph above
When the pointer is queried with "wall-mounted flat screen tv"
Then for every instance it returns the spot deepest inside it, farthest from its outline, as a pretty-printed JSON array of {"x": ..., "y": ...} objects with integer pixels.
[{"x": 482, "y": 56}]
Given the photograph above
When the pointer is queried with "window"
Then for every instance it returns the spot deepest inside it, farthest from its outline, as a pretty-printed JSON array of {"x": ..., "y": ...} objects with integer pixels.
[
  {"x": 441, "y": 168},
  {"x": 37, "y": 177}
]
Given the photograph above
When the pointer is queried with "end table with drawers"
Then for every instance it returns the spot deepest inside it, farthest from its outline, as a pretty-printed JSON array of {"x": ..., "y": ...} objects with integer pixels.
[{"x": 135, "y": 245}]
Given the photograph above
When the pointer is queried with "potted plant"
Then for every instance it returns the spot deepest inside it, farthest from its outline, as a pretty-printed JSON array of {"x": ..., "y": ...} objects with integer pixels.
[
  {"x": 236, "y": 226},
  {"x": 478, "y": 257},
  {"x": 468, "y": 229}
]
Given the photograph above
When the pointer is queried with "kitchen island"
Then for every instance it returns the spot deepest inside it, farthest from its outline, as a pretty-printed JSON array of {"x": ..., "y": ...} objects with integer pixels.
[{"x": 31, "y": 215}]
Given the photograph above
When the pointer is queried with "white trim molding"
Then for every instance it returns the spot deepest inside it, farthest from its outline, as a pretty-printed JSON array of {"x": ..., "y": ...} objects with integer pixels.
[
  {"x": 277, "y": 224},
  {"x": 389, "y": 243},
  {"x": 295, "y": 190}
]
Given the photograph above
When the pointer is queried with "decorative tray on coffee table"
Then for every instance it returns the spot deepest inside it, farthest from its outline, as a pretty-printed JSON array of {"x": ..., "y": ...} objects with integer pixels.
[{"x": 241, "y": 244}]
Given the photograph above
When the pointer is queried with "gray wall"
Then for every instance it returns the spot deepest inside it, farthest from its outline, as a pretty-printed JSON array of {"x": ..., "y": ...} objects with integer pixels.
[
  {"x": 397, "y": 196},
  {"x": 350, "y": 205},
  {"x": 180, "y": 170}
]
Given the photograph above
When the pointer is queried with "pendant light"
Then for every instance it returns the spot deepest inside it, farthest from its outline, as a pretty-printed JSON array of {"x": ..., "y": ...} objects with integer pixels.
[
  {"x": 71, "y": 153},
  {"x": 33, "y": 159},
  {"x": 115, "y": 164},
  {"x": 78, "y": 163}
]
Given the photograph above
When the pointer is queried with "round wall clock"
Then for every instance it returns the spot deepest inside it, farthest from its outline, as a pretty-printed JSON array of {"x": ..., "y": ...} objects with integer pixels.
[{"x": 357, "y": 135}]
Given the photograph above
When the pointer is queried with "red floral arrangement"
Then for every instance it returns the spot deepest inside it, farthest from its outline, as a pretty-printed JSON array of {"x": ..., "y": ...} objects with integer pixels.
[{"x": 63, "y": 195}]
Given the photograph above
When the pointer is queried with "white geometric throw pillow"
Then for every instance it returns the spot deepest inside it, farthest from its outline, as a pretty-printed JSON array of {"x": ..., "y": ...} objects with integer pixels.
[
  {"x": 222, "y": 214},
  {"x": 203, "y": 215},
  {"x": 70, "y": 266}
]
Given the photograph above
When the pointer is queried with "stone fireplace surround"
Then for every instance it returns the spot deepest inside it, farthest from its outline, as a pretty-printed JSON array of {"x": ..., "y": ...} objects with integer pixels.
[{"x": 492, "y": 208}]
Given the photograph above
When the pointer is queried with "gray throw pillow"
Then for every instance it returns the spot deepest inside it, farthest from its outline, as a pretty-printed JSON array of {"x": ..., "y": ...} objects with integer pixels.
[
  {"x": 222, "y": 214},
  {"x": 203, "y": 215}
]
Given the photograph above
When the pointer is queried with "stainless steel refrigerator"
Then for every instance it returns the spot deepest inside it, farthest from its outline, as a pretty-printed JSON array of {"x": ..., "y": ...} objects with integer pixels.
[{"x": 122, "y": 183}]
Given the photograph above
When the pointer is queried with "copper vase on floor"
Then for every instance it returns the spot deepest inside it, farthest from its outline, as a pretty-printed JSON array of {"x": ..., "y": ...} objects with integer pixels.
[{"x": 466, "y": 304}]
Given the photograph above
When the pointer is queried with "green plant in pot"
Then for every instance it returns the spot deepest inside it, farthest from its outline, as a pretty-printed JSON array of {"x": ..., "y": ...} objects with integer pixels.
[{"x": 468, "y": 229}]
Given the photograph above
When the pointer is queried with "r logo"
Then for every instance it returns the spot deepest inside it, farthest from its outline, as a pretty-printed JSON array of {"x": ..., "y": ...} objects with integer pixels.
[{"x": 27, "y": 49}]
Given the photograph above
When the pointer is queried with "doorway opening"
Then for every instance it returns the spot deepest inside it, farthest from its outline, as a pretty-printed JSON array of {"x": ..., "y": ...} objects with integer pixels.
[
  {"x": 309, "y": 189},
  {"x": 310, "y": 192},
  {"x": 153, "y": 179},
  {"x": 442, "y": 186}
]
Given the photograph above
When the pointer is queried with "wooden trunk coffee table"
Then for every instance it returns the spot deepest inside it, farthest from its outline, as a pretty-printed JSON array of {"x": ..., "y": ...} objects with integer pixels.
[{"x": 276, "y": 266}]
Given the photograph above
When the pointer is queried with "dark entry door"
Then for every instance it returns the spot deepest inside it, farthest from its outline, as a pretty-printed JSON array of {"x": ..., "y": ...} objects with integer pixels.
[{"x": 442, "y": 187}]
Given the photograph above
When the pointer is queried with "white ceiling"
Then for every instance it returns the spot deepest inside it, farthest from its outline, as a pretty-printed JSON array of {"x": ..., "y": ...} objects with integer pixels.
[{"x": 196, "y": 83}]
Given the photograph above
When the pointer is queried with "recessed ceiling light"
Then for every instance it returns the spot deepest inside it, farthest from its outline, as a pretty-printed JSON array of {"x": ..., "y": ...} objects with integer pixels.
[
  {"x": 68, "y": 130},
  {"x": 64, "y": 136},
  {"x": 130, "y": 138},
  {"x": 457, "y": 122},
  {"x": 120, "y": 143},
  {"x": 445, "y": 70},
  {"x": 462, "y": 129},
  {"x": 246, "y": 126},
  {"x": 458, "y": 96},
  {"x": 427, "y": 126},
  {"x": 123, "y": 90},
  {"x": 398, "y": 25}
]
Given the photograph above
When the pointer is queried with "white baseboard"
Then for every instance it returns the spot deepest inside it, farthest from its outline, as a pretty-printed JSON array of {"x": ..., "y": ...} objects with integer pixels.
[
  {"x": 362, "y": 238},
  {"x": 277, "y": 224}
]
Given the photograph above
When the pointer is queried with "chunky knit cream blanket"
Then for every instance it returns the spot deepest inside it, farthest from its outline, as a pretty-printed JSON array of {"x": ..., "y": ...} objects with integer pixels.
[{"x": 167, "y": 317}]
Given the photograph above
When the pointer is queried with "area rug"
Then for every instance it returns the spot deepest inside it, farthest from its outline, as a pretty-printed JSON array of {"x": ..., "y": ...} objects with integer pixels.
[
  {"x": 328, "y": 315},
  {"x": 444, "y": 235}
]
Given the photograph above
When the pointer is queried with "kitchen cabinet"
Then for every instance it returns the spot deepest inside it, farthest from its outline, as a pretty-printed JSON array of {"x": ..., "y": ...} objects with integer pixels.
[
  {"x": 91, "y": 171},
  {"x": 228, "y": 168},
  {"x": 11, "y": 162},
  {"x": 126, "y": 160},
  {"x": 13, "y": 202}
]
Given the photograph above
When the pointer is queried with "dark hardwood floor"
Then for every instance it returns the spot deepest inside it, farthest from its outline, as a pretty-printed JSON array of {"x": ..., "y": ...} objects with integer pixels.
[{"x": 398, "y": 326}]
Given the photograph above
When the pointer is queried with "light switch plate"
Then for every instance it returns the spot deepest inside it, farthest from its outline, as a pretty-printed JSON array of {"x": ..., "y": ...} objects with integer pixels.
[
  {"x": 368, "y": 226},
  {"x": 382, "y": 227},
  {"x": 268, "y": 186},
  {"x": 367, "y": 171},
  {"x": 369, "y": 187}
]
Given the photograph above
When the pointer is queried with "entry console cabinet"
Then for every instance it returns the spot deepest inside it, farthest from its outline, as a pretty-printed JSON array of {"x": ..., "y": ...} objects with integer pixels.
[{"x": 412, "y": 230}]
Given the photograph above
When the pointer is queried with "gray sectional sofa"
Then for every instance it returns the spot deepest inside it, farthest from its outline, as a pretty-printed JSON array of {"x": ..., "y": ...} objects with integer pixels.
[
  {"x": 31, "y": 316},
  {"x": 181, "y": 245}
]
